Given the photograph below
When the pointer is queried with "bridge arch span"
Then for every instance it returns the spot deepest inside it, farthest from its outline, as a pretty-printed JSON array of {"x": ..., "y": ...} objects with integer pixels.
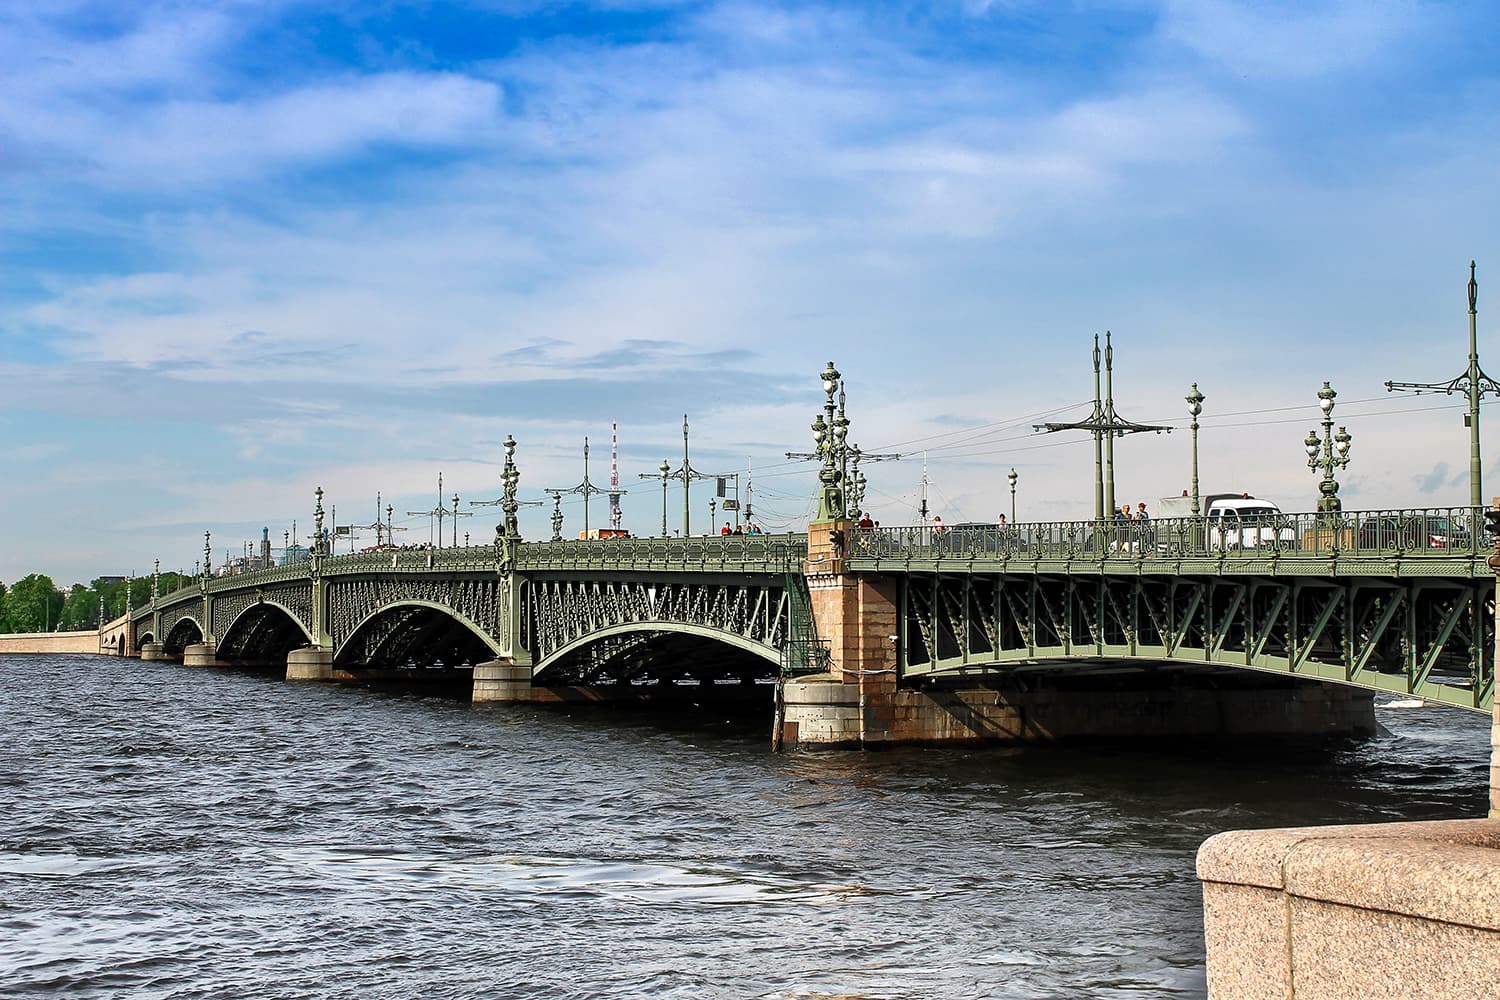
[
  {"x": 184, "y": 632},
  {"x": 661, "y": 651},
  {"x": 419, "y": 632},
  {"x": 263, "y": 632}
]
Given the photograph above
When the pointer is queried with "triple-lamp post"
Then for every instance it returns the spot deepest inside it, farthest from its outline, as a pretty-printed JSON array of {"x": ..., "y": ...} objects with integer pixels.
[
  {"x": 1328, "y": 453},
  {"x": 829, "y": 433},
  {"x": 1012, "y": 476}
]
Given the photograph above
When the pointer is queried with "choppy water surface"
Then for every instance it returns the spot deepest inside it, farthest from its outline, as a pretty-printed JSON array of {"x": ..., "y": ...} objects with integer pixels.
[{"x": 169, "y": 832}]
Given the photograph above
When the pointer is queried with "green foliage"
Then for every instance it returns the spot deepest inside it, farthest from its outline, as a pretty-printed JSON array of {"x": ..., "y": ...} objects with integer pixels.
[
  {"x": 24, "y": 609},
  {"x": 81, "y": 610},
  {"x": 34, "y": 604}
]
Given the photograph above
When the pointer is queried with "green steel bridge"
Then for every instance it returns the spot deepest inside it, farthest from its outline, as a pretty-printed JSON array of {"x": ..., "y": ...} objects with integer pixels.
[{"x": 1396, "y": 601}]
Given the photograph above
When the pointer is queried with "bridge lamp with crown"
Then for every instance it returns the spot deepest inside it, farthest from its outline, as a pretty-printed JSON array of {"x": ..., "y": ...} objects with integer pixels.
[{"x": 1327, "y": 453}]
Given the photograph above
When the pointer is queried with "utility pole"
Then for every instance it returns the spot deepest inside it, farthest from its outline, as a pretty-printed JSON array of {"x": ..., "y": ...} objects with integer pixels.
[
  {"x": 1105, "y": 425},
  {"x": 587, "y": 488},
  {"x": 1474, "y": 384},
  {"x": 439, "y": 512},
  {"x": 687, "y": 474},
  {"x": 922, "y": 507}
]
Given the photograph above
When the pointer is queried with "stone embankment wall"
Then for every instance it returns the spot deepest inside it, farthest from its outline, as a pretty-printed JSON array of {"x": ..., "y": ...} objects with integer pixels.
[
  {"x": 50, "y": 642},
  {"x": 1375, "y": 911}
]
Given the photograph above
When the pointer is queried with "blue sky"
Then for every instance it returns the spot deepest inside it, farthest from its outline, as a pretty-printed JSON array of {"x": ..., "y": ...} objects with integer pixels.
[{"x": 251, "y": 248}]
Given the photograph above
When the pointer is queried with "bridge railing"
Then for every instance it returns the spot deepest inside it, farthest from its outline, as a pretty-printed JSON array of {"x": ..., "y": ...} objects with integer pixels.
[
  {"x": 1451, "y": 533},
  {"x": 470, "y": 558},
  {"x": 745, "y": 553},
  {"x": 749, "y": 553}
]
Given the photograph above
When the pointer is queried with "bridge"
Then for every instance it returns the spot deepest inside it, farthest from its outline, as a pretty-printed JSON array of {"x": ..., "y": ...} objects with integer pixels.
[
  {"x": 879, "y": 636},
  {"x": 1182, "y": 626}
]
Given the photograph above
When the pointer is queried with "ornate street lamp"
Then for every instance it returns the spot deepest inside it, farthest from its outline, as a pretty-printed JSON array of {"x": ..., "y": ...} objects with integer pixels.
[
  {"x": 828, "y": 435},
  {"x": 1195, "y": 406},
  {"x": 1012, "y": 477},
  {"x": 557, "y": 515},
  {"x": 1328, "y": 453}
]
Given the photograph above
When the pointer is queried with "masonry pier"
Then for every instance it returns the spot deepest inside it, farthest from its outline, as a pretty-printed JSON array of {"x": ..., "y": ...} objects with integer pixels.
[
  {"x": 199, "y": 654},
  {"x": 309, "y": 664}
]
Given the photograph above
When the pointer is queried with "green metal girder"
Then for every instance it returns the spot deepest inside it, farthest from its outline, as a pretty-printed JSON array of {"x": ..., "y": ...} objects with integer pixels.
[{"x": 1329, "y": 629}]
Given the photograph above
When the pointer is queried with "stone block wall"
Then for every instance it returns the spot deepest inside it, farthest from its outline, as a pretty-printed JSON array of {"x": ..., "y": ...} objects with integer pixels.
[
  {"x": 50, "y": 642},
  {"x": 1167, "y": 704},
  {"x": 1374, "y": 911}
]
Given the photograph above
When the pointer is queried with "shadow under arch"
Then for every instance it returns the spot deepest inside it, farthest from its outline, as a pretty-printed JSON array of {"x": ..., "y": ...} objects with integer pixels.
[
  {"x": 263, "y": 633},
  {"x": 661, "y": 652},
  {"x": 418, "y": 634},
  {"x": 184, "y": 632}
]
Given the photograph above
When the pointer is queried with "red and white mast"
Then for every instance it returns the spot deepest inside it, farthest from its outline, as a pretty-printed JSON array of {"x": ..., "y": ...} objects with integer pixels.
[{"x": 614, "y": 475}]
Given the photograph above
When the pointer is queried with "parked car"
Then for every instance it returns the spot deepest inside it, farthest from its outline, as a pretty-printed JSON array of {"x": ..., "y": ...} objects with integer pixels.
[
  {"x": 1415, "y": 531},
  {"x": 1439, "y": 532},
  {"x": 979, "y": 538}
]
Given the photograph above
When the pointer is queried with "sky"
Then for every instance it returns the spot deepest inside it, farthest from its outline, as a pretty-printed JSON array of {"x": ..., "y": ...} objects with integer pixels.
[{"x": 254, "y": 248}]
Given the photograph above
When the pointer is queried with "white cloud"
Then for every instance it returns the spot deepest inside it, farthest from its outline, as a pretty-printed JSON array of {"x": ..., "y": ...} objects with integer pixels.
[{"x": 1291, "y": 39}]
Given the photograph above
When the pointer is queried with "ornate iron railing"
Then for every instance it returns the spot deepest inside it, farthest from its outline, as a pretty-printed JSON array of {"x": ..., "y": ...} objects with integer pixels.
[
  {"x": 714, "y": 553},
  {"x": 1452, "y": 534}
]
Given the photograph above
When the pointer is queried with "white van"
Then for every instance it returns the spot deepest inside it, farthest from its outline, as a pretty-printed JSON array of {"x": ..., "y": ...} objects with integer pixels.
[{"x": 1234, "y": 520}]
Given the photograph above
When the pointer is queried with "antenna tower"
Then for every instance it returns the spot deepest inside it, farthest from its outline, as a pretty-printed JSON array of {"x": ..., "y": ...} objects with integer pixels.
[{"x": 614, "y": 475}]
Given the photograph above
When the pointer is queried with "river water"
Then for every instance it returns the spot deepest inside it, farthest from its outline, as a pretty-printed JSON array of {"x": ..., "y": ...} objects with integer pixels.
[{"x": 173, "y": 832}]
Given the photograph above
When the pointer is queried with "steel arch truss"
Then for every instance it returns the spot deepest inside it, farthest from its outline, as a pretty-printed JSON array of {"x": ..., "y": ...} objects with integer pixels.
[
  {"x": 634, "y": 627},
  {"x": 1433, "y": 638},
  {"x": 263, "y": 631},
  {"x": 180, "y": 634},
  {"x": 416, "y": 634},
  {"x": 476, "y": 598}
]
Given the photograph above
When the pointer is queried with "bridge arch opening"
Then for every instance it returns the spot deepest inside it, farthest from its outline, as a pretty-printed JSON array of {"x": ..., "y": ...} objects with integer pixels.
[
  {"x": 262, "y": 635},
  {"x": 415, "y": 635},
  {"x": 185, "y": 633},
  {"x": 662, "y": 653}
]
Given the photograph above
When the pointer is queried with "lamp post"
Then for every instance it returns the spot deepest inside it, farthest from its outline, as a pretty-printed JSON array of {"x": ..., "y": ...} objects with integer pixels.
[
  {"x": 826, "y": 436},
  {"x": 1012, "y": 477},
  {"x": 1328, "y": 453},
  {"x": 666, "y": 472},
  {"x": 1195, "y": 406}
]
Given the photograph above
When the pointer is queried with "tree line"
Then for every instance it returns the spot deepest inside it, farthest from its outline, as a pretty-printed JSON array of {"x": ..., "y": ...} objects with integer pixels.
[{"x": 35, "y": 604}]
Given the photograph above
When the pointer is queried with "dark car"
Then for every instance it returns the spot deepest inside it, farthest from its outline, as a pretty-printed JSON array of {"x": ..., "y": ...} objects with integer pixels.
[
  {"x": 1437, "y": 532},
  {"x": 1414, "y": 531},
  {"x": 979, "y": 538}
]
